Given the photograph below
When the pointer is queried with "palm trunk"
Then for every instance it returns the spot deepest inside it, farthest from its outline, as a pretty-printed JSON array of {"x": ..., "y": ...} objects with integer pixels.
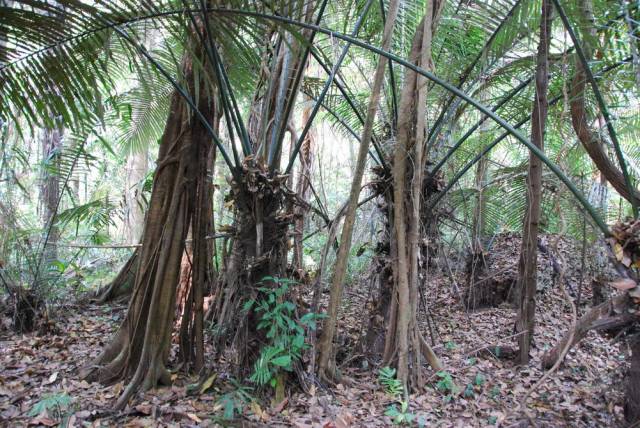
[
  {"x": 302, "y": 190},
  {"x": 259, "y": 250},
  {"x": 261, "y": 219},
  {"x": 528, "y": 264}
]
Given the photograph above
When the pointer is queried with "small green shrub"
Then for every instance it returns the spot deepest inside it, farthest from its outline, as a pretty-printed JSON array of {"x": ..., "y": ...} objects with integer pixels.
[
  {"x": 285, "y": 333},
  {"x": 234, "y": 402},
  {"x": 445, "y": 384},
  {"x": 57, "y": 403},
  {"x": 387, "y": 378},
  {"x": 402, "y": 415}
]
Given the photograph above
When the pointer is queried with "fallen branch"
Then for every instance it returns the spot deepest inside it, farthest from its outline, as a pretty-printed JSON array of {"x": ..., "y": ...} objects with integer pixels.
[{"x": 610, "y": 315}]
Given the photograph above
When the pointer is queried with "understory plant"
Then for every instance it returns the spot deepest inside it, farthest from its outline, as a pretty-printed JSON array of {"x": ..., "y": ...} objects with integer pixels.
[
  {"x": 235, "y": 401},
  {"x": 285, "y": 333},
  {"x": 398, "y": 411}
]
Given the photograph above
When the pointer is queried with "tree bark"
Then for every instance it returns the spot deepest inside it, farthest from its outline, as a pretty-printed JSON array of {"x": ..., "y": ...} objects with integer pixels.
[
  {"x": 123, "y": 283},
  {"x": 632, "y": 388},
  {"x": 302, "y": 190},
  {"x": 408, "y": 192},
  {"x": 139, "y": 350},
  {"x": 261, "y": 220},
  {"x": 259, "y": 250},
  {"x": 528, "y": 263},
  {"x": 326, "y": 365}
]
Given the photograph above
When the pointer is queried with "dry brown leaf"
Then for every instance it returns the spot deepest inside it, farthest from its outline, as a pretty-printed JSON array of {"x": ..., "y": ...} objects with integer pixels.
[
  {"x": 281, "y": 406},
  {"x": 194, "y": 417},
  {"x": 43, "y": 420},
  {"x": 51, "y": 379},
  {"x": 144, "y": 408},
  {"x": 344, "y": 420},
  {"x": 623, "y": 284}
]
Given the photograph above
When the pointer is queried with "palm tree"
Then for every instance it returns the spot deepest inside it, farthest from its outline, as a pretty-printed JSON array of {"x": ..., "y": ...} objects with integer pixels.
[{"x": 239, "y": 67}]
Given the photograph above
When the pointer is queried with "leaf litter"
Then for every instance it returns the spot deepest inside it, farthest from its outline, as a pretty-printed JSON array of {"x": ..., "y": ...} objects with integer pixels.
[{"x": 40, "y": 384}]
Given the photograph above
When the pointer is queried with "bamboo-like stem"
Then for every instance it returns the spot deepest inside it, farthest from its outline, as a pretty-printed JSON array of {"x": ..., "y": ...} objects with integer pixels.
[
  {"x": 382, "y": 52},
  {"x": 183, "y": 94},
  {"x": 325, "y": 89}
]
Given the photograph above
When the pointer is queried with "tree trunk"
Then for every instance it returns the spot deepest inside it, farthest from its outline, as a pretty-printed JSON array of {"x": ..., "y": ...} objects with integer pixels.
[
  {"x": 191, "y": 335},
  {"x": 326, "y": 364},
  {"x": 632, "y": 388},
  {"x": 408, "y": 191},
  {"x": 136, "y": 169},
  {"x": 259, "y": 250},
  {"x": 49, "y": 190},
  {"x": 302, "y": 190},
  {"x": 260, "y": 201},
  {"x": 139, "y": 350},
  {"x": 122, "y": 284},
  {"x": 528, "y": 263},
  {"x": 477, "y": 262}
]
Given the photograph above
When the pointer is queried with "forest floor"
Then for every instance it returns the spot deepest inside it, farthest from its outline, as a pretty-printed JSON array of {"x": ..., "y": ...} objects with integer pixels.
[
  {"x": 40, "y": 386},
  {"x": 39, "y": 383}
]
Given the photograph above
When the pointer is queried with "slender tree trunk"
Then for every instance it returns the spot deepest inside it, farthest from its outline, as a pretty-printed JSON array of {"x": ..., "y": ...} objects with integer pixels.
[
  {"x": 632, "y": 387},
  {"x": 479, "y": 222},
  {"x": 136, "y": 170},
  {"x": 477, "y": 262},
  {"x": 408, "y": 191},
  {"x": 302, "y": 190},
  {"x": 528, "y": 264},
  {"x": 406, "y": 121},
  {"x": 50, "y": 189},
  {"x": 326, "y": 365}
]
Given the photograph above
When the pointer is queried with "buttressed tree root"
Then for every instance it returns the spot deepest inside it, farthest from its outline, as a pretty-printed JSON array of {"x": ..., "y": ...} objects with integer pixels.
[{"x": 139, "y": 350}]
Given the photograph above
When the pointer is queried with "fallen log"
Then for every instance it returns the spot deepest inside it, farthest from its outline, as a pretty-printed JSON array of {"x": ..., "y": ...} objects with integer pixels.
[{"x": 610, "y": 316}]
